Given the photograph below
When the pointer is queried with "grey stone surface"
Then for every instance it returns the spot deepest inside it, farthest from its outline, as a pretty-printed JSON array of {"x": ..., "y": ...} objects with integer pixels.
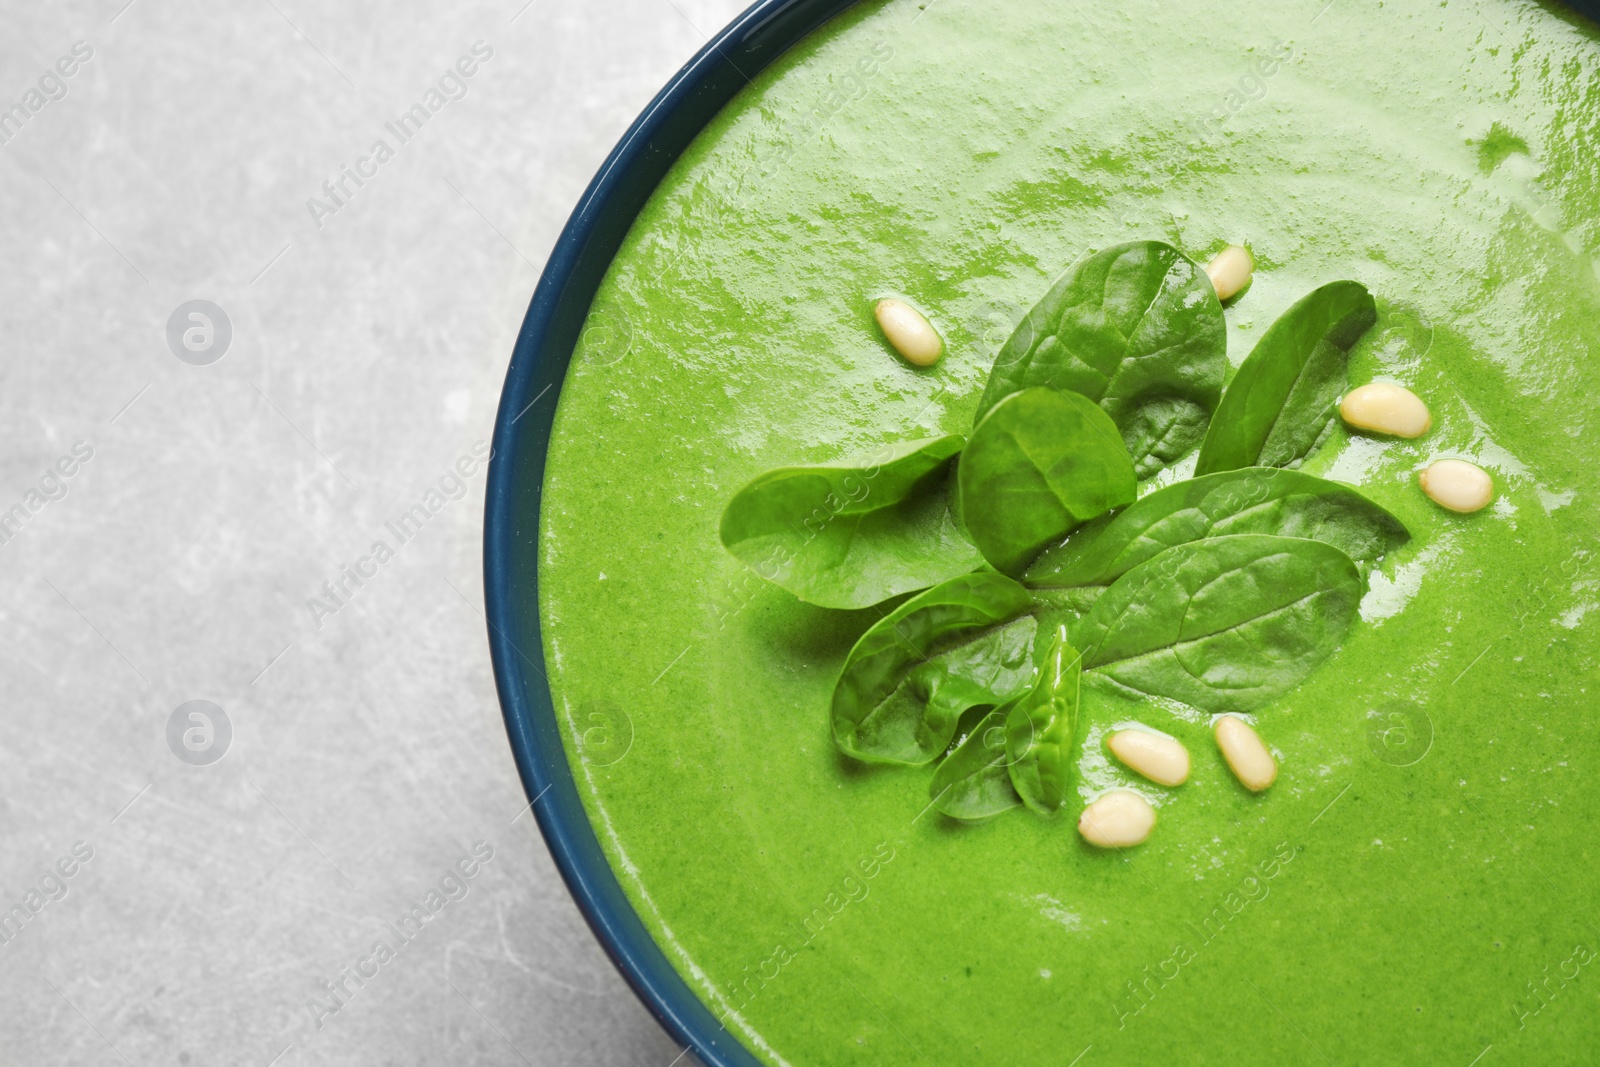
[{"x": 364, "y": 753}]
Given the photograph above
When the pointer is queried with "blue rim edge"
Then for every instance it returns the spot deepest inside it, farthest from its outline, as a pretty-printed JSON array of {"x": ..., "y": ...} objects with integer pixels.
[
  {"x": 560, "y": 303},
  {"x": 550, "y": 330}
]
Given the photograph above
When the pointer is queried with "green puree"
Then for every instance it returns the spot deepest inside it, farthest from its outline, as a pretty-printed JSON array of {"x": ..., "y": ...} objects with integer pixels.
[{"x": 1419, "y": 884}]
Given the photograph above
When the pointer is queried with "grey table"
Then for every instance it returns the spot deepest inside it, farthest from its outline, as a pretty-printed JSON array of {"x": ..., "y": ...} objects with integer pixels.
[{"x": 261, "y": 268}]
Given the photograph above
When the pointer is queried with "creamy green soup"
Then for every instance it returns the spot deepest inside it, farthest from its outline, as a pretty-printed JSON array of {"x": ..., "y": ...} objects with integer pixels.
[{"x": 1418, "y": 885}]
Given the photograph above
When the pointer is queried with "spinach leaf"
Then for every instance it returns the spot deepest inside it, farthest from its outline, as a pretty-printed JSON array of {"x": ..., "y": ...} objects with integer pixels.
[
  {"x": 1039, "y": 464},
  {"x": 851, "y": 534},
  {"x": 1136, "y": 328},
  {"x": 972, "y": 783},
  {"x": 1224, "y": 624},
  {"x": 1042, "y": 729},
  {"x": 1280, "y": 405},
  {"x": 1254, "y": 500},
  {"x": 965, "y": 642}
]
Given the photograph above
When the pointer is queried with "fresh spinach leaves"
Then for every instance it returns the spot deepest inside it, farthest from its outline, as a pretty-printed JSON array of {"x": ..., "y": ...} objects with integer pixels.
[
  {"x": 1224, "y": 624},
  {"x": 1280, "y": 405},
  {"x": 905, "y": 684},
  {"x": 1136, "y": 328},
  {"x": 1221, "y": 593},
  {"x": 855, "y": 533},
  {"x": 1039, "y": 464},
  {"x": 1254, "y": 500},
  {"x": 1042, "y": 729},
  {"x": 972, "y": 783}
]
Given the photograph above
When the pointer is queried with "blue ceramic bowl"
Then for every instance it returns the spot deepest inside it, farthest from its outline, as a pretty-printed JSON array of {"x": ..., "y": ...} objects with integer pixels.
[{"x": 516, "y": 479}]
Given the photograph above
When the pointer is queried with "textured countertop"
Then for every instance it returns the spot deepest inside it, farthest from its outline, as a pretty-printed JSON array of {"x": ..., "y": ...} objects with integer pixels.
[{"x": 251, "y": 730}]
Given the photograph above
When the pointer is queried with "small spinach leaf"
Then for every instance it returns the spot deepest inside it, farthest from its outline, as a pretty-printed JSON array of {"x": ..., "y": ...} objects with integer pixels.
[
  {"x": 1224, "y": 624},
  {"x": 1042, "y": 729},
  {"x": 1136, "y": 328},
  {"x": 1280, "y": 405},
  {"x": 965, "y": 642},
  {"x": 851, "y": 534},
  {"x": 1041, "y": 462},
  {"x": 972, "y": 783},
  {"x": 1253, "y": 500}
]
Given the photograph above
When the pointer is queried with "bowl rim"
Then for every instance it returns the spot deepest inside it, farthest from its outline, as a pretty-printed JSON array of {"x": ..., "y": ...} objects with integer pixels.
[{"x": 549, "y": 332}]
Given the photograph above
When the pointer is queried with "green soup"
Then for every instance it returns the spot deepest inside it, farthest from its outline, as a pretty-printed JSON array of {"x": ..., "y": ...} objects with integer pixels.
[{"x": 1418, "y": 885}]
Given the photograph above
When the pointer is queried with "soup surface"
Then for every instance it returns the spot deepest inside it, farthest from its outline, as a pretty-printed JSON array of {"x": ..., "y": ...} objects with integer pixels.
[{"x": 1419, "y": 884}]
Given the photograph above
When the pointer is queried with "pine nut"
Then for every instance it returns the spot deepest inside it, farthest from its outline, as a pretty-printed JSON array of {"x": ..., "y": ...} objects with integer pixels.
[
  {"x": 1384, "y": 407},
  {"x": 1160, "y": 758},
  {"x": 1246, "y": 754},
  {"x": 1457, "y": 485},
  {"x": 912, "y": 335},
  {"x": 1230, "y": 271},
  {"x": 1119, "y": 819}
]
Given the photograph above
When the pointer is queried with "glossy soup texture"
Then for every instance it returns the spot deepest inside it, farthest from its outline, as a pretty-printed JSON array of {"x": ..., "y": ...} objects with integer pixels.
[{"x": 1419, "y": 884}]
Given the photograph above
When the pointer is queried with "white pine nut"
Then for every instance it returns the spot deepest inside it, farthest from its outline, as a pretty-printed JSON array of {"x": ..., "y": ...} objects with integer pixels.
[
  {"x": 1230, "y": 271},
  {"x": 1246, "y": 754},
  {"x": 1160, "y": 758},
  {"x": 1457, "y": 485},
  {"x": 912, "y": 335},
  {"x": 1384, "y": 407},
  {"x": 1120, "y": 819}
]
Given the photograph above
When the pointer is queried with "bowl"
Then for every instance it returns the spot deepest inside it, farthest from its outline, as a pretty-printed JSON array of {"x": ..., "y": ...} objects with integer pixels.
[{"x": 538, "y": 366}]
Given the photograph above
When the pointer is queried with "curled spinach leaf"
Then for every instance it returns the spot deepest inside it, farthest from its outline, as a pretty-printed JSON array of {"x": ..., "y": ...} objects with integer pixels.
[
  {"x": 1254, "y": 500},
  {"x": 1280, "y": 405},
  {"x": 1136, "y": 328},
  {"x": 855, "y": 533},
  {"x": 1224, "y": 624},
  {"x": 1039, "y": 464},
  {"x": 972, "y": 782},
  {"x": 905, "y": 684},
  {"x": 1042, "y": 729}
]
